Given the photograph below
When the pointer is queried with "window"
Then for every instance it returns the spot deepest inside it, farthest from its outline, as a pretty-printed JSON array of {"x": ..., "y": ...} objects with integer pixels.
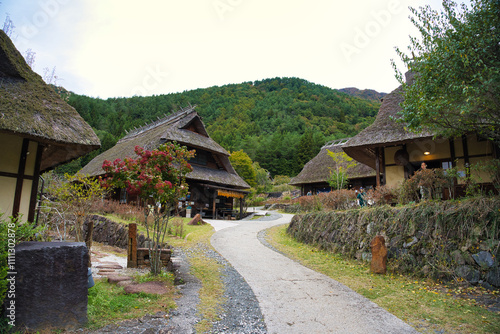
[
  {"x": 446, "y": 165},
  {"x": 200, "y": 158}
]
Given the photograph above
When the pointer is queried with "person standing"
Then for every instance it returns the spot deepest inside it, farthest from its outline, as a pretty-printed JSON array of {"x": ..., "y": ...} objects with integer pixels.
[{"x": 361, "y": 197}]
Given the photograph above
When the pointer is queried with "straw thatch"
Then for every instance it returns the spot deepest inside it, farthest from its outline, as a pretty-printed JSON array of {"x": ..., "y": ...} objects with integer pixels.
[
  {"x": 317, "y": 170},
  {"x": 32, "y": 109},
  {"x": 384, "y": 131},
  {"x": 186, "y": 128}
]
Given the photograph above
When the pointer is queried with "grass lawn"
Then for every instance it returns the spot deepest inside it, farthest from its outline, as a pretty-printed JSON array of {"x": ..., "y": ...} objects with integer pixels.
[
  {"x": 109, "y": 304},
  {"x": 426, "y": 305},
  {"x": 206, "y": 269}
]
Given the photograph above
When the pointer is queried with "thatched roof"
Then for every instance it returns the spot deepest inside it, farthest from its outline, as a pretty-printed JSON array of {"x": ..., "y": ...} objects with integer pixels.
[
  {"x": 384, "y": 131},
  {"x": 317, "y": 169},
  {"x": 186, "y": 128},
  {"x": 32, "y": 109}
]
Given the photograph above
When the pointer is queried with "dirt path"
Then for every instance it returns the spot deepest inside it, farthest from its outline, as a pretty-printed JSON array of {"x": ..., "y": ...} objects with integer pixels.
[{"x": 293, "y": 298}]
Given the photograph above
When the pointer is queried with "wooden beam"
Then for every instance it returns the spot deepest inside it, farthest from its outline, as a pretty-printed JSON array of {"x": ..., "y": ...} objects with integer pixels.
[
  {"x": 382, "y": 169},
  {"x": 20, "y": 178},
  {"x": 34, "y": 184},
  {"x": 377, "y": 167},
  {"x": 466, "y": 155},
  {"x": 214, "y": 211},
  {"x": 452, "y": 152}
]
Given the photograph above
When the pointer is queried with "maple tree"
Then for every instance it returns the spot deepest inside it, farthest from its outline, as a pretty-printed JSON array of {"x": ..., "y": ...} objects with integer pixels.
[{"x": 157, "y": 177}]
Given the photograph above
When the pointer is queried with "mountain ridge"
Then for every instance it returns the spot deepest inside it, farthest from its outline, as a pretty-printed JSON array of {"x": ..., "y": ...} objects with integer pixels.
[{"x": 269, "y": 119}]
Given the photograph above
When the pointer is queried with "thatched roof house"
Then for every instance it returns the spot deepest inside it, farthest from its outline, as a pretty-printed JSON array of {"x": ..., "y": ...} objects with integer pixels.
[
  {"x": 395, "y": 153},
  {"x": 314, "y": 175},
  {"x": 38, "y": 131},
  {"x": 211, "y": 166}
]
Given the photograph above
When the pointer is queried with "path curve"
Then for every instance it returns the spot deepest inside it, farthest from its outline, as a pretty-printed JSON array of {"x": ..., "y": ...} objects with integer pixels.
[{"x": 293, "y": 298}]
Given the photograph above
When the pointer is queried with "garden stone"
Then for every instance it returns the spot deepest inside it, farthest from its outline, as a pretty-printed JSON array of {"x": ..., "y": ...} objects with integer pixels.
[
  {"x": 426, "y": 269},
  {"x": 394, "y": 242},
  {"x": 488, "y": 245},
  {"x": 197, "y": 220},
  {"x": 369, "y": 228},
  {"x": 468, "y": 258},
  {"x": 456, "y": 255},
  {"x": 367, "y": 257},
  {"x": 484, "y": 259},
  {"x": 157, "y": 288},
  {"x": 424, "y": 251},
  {"x": 116, "y": 278},
  {"x": 410, "y": 243},
  {"x": 469, "y": 274},
  {"x": 493, "y": 277}
]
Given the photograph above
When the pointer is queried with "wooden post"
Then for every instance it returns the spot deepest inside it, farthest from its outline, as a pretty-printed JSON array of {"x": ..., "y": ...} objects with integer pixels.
[
  {"x": 241, "y": 207},
  {"x": 377, "y": 166},
  {"x": 466, "y": 154},
  {"x": 132, "y": 246},
  {"x": 214, "y": 205}
]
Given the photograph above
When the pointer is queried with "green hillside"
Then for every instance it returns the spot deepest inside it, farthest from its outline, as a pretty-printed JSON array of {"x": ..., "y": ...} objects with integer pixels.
[{"x": 279, "y": 122}]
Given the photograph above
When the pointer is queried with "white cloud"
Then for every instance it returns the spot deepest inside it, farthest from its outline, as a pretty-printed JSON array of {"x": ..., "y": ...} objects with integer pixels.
[{"x": 117, "y": 48}]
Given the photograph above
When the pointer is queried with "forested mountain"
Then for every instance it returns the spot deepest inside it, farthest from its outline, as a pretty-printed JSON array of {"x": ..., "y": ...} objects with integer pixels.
[
  {"x": 280, "y": 123},
  {"x": 367, "y": 94}
]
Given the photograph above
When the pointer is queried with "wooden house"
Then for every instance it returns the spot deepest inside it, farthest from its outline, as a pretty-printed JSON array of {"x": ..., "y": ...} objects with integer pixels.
[
  {"x": 396, "y": 153},
  {"x": 38, "y": 131},
  {"x": 314, "y": 176},
  {"x": 213, "y": 183}
]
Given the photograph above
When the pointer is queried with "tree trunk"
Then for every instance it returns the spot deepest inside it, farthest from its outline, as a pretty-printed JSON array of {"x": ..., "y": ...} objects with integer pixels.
[{"x": 88, "y": 239}]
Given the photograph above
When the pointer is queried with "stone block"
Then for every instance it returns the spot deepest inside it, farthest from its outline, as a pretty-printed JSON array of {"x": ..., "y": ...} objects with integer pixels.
[
  {"x": 197, "y": 220},
  {"x": 484, "y": 259},
  {"x": 493, "y": 277},
  {"x": 50, "y": 285},
  {"x": 468, "y": 273}
]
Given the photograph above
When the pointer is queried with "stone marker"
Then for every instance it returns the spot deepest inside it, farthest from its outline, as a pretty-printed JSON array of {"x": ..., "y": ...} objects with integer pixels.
[
  {"x": 379, "y": 255},
  {"x": 50, "y": 285},
  {"x": 197, "y": 220}
]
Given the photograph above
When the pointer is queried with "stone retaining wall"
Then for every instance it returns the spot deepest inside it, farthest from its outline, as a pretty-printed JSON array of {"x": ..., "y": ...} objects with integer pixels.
[
  {"x": 111, "y": 233},
  {"x": 432, "y": 239}
]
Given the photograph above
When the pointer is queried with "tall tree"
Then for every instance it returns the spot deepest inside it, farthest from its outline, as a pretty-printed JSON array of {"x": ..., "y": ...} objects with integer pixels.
[
  {"x": 456, "y": 61},
  {"x": 305, "y": 149},
  {"x": 243, "y": 166}
]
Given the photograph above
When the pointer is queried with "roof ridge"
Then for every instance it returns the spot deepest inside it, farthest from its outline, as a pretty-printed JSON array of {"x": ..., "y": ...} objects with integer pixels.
[
  {"x": 160, "y": 121},
  {"x": 336, "y": 142}
]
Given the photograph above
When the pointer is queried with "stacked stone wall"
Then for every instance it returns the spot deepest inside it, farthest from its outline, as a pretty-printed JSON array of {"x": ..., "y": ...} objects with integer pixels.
[
  {"x": 111, "y": 233},
  {"x": 449, "y": 239}
]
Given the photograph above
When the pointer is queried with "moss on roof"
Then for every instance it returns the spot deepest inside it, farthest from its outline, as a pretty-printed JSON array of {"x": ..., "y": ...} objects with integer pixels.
[{"x": 32, "y": 109}]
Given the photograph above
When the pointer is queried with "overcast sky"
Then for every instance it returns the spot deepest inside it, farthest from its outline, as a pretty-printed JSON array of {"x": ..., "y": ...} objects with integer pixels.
[{"x": 114, "y": 48}]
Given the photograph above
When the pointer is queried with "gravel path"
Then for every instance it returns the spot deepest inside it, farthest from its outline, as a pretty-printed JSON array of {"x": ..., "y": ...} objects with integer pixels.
[
  {"x": 274, "y": 295},
  {"x": 241, "y": 311},
  {"x": 293, "y": 298}
]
